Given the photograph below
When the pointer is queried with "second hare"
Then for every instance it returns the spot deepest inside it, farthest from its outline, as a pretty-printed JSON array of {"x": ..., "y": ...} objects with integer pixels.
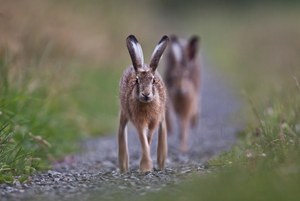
[
  {"x": 182, "y": 79},
  {"x": 143, "y": 102}
]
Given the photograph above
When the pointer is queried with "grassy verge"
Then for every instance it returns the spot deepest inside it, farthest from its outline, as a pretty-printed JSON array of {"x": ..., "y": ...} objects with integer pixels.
[
  {"x": 45, "y": 112},
  {"x": 95, "y": 98},
  {"x": 34, "y": 125}
]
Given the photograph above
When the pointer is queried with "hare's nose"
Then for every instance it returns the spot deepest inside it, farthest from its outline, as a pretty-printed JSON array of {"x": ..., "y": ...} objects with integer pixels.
[{"x": 145, "y": 94}]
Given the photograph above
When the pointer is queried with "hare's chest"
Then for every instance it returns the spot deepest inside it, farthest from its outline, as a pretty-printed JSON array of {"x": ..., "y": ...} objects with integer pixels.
[{"x": 145, "y": 114}]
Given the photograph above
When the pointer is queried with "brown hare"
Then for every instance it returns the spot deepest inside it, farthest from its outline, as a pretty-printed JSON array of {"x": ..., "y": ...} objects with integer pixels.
[
  {"x": 182, "y": 79},
  {"x": 143, "y": 102}
]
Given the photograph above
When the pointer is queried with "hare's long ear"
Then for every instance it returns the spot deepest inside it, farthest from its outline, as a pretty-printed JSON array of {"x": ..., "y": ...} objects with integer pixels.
[
  {"x": 158, "y": 51},
  {"x": 192, "y": 49},
  {"x": 176, "y": 49},
  {"x": 135, "y": 51}
]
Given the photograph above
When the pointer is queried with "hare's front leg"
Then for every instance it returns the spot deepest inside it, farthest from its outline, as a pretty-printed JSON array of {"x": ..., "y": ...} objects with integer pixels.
[
  {"x": 162, "y": 146},
  {"x": 122, "y": 143},
  {"x": 196, "y": 114},
  {"x": 146, "y": 162}
]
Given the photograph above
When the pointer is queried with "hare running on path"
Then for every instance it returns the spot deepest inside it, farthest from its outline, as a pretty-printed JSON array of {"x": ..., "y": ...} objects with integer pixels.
[
  {"x": 143, "y": 102},
  {"x": 182, "y": 78}
]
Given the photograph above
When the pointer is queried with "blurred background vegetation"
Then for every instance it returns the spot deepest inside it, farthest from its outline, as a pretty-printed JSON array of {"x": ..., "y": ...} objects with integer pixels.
[{"x": 60, "y": 64}]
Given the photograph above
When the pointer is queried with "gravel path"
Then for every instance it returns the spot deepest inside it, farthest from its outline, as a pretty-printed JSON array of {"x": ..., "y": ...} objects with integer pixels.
[{"x": 93, "y": 173}]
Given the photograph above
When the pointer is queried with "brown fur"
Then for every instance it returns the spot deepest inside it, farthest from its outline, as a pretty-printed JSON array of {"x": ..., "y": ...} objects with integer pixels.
[
  {"x": 142, "y": 114},
  {"x": 182, "y": 78},
  {"x": 143, "y": 102}
]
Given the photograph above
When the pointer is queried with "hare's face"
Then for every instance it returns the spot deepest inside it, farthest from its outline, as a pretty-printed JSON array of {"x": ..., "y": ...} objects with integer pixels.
[
  {"x": 182, "y": 58},
  {"x": 181, "y": 79},
  {"x": 145, "y": 74},
  {"x": 145, "y": 81}
]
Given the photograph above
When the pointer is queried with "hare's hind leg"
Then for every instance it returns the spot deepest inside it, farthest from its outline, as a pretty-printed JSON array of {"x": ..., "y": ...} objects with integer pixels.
[
  {"x": 184, "y": 132},
  {"x": 195, "y": 119},
  {"x": 162, "y": 146},
  {"x": 122, "y": 144},
  {"x": 168, "y": 120}
]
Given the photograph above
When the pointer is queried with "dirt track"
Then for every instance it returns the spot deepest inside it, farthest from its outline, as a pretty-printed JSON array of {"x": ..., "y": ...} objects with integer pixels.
[{"x": 93, "y": 173}]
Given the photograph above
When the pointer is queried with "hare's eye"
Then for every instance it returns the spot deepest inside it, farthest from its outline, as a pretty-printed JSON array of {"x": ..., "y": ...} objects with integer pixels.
[
  {"x": 154, "y": 80},
  {"x": 137, "y": 79}
]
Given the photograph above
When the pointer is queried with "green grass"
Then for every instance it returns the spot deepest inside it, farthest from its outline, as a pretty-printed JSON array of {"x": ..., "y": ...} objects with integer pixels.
[
  {"x": 33, "y": 122},
  {"x": 95, "y": 97},
  {"x": 238, "y": 184},
  {"x": 45, "y": 113}
]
